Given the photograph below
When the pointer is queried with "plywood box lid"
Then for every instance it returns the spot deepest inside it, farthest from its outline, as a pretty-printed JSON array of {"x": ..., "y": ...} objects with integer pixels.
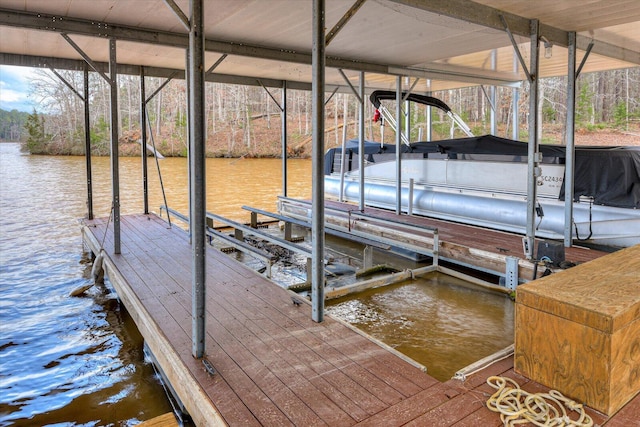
[{"x": 603, "y": 294}]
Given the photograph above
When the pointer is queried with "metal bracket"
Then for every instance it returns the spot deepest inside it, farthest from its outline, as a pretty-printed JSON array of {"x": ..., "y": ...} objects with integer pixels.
[{"x": 511, "y": 274}]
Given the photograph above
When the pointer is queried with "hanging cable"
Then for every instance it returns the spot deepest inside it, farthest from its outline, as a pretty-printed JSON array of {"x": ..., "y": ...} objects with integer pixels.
[{"x": 155, "y": 155}]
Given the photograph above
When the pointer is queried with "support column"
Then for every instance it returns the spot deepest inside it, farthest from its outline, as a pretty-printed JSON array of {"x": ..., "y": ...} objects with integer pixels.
[
  {"x": 187, "y": 80},
  {"x": 283, "y": 112},
  {"x": 317, "y": 214},
  {"x": 515, "y": 95},
  {"x": 87, "y": 144},
  {"x": 492, "y": 96},
  {"x": 570, "y": 136},
  {"x": 197, "y": 209},
  {"x": 429, "y": 130},
  {"x": 115, "y": 165},
  {"x": 407, "y": 111},
  {"x": 361, "y": 142},
  {"x": 533, "y": 169},
  {"x": 398, "y": 145},
  {"x": 143, "y": 144}
]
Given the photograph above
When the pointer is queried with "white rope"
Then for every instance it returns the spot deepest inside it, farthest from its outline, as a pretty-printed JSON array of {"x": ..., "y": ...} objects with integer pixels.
[{"x": 517, "y": 406}]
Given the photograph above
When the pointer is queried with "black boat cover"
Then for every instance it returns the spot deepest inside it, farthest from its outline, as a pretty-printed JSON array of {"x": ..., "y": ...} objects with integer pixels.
[{"x": 609, "y": 175}]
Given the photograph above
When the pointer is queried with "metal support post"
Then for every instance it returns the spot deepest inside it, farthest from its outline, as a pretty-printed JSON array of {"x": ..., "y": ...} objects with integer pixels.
[
  {"x": 410, "y": 197},
  {"x": 511, "y": 273},
  {"x": 533, "y": 170},
  {"x": 429, "y": 133},
  {"x": 407, "y": 111},
  {"x": 515, "y": 95},
  {"x": 492, "y": 96},
  {"x": 367, "y": 258},
  {"x": 283, "y": 112},
  {"x": 361, "y": 142},
  {"x": 283, "y": 134},
  {"x": 317, "y": 214},
  {"x": 288, "y": 231},
  {"x": 570, "y": 157},
  {"x": 187, "y": 80},
  {"x": 398, "y": 146},
  {"x": 143, "y": 144},
  {"x": 115, "y": 173},
  {"x": 197, "y": 208},
  {"x": 87, "y": 144},
  {"x": 309, "y": 270}
]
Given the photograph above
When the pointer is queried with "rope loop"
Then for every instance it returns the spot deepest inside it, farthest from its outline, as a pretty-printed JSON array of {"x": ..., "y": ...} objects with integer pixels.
[{"x": 517, "y": 406}]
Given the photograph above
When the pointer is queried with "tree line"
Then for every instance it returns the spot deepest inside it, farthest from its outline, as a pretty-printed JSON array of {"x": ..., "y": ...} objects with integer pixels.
[
  {"x": 12, "y": 124},
  {"x": 245, "y": 121}
]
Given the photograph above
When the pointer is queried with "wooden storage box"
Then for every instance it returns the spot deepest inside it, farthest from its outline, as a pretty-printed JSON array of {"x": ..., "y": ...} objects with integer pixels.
[{"x": 578, "y": 331}]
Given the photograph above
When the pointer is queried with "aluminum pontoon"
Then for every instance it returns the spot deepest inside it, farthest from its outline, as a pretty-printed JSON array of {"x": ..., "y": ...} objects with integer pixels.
[{"x": 482, "y": 180}]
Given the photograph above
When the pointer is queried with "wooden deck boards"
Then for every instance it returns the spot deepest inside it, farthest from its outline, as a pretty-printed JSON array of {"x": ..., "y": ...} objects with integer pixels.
[{"x": 274, "y": 365}]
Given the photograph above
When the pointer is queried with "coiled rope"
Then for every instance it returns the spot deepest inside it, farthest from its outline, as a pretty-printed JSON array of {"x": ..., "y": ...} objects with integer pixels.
[{"x": 517, "y": 406}]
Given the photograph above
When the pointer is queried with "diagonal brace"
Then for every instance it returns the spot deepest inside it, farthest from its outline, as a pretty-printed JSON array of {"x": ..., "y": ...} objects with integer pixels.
[
  {"x": 343, "y": 21},
  {"x": 86, "y": 58}
]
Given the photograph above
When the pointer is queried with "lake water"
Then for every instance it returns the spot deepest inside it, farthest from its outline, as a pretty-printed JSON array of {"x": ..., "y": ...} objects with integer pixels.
[{"x": 79, "y": 361}]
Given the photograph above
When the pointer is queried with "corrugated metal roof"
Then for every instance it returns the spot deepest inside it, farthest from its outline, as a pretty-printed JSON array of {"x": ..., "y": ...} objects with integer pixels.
[{"x": 271, "y": 39}]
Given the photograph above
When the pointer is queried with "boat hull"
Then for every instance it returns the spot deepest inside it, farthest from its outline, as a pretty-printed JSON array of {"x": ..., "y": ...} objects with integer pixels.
[{"x": 595, "y": 224}]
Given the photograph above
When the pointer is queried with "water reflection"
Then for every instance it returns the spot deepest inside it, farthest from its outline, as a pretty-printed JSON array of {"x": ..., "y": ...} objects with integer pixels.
[{"x": 437, "y": 320}]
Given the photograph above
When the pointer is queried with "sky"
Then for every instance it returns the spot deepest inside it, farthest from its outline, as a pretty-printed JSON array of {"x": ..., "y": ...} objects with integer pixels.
[{"x": 14, "y": 88}]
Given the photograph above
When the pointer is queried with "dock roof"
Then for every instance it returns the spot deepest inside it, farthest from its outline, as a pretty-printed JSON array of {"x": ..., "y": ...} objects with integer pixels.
[{"x": 445, "y": 43}]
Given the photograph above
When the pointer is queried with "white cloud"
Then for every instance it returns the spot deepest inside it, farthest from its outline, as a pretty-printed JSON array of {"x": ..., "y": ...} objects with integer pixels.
[{"x": 14, "y": 88}]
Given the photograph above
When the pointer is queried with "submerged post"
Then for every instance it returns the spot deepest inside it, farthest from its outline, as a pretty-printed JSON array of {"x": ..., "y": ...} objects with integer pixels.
[
  {"x": 533, "y": 170},
  {"x": 317, "y": 214},
  {"x": 197, "y": 208},
  {"x": 570, "y": 141},
  {"x": 115, "y": 173},
  {"x": 87, "y": 143}
]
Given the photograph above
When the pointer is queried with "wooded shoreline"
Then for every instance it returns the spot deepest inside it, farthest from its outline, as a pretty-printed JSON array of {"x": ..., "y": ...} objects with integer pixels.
[{"x": 243, "y": 121}]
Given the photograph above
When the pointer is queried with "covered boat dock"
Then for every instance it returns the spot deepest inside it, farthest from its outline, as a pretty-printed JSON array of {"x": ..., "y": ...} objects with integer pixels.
[{"x": 215, "y": 317}]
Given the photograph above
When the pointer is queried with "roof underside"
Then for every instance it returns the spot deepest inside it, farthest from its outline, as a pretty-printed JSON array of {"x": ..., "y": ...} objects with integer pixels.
[{"x": 445, "y": 43}]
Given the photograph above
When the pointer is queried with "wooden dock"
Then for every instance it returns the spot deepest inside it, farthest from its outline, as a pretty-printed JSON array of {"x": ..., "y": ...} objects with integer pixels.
[{"x": 273, "y": 364}]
